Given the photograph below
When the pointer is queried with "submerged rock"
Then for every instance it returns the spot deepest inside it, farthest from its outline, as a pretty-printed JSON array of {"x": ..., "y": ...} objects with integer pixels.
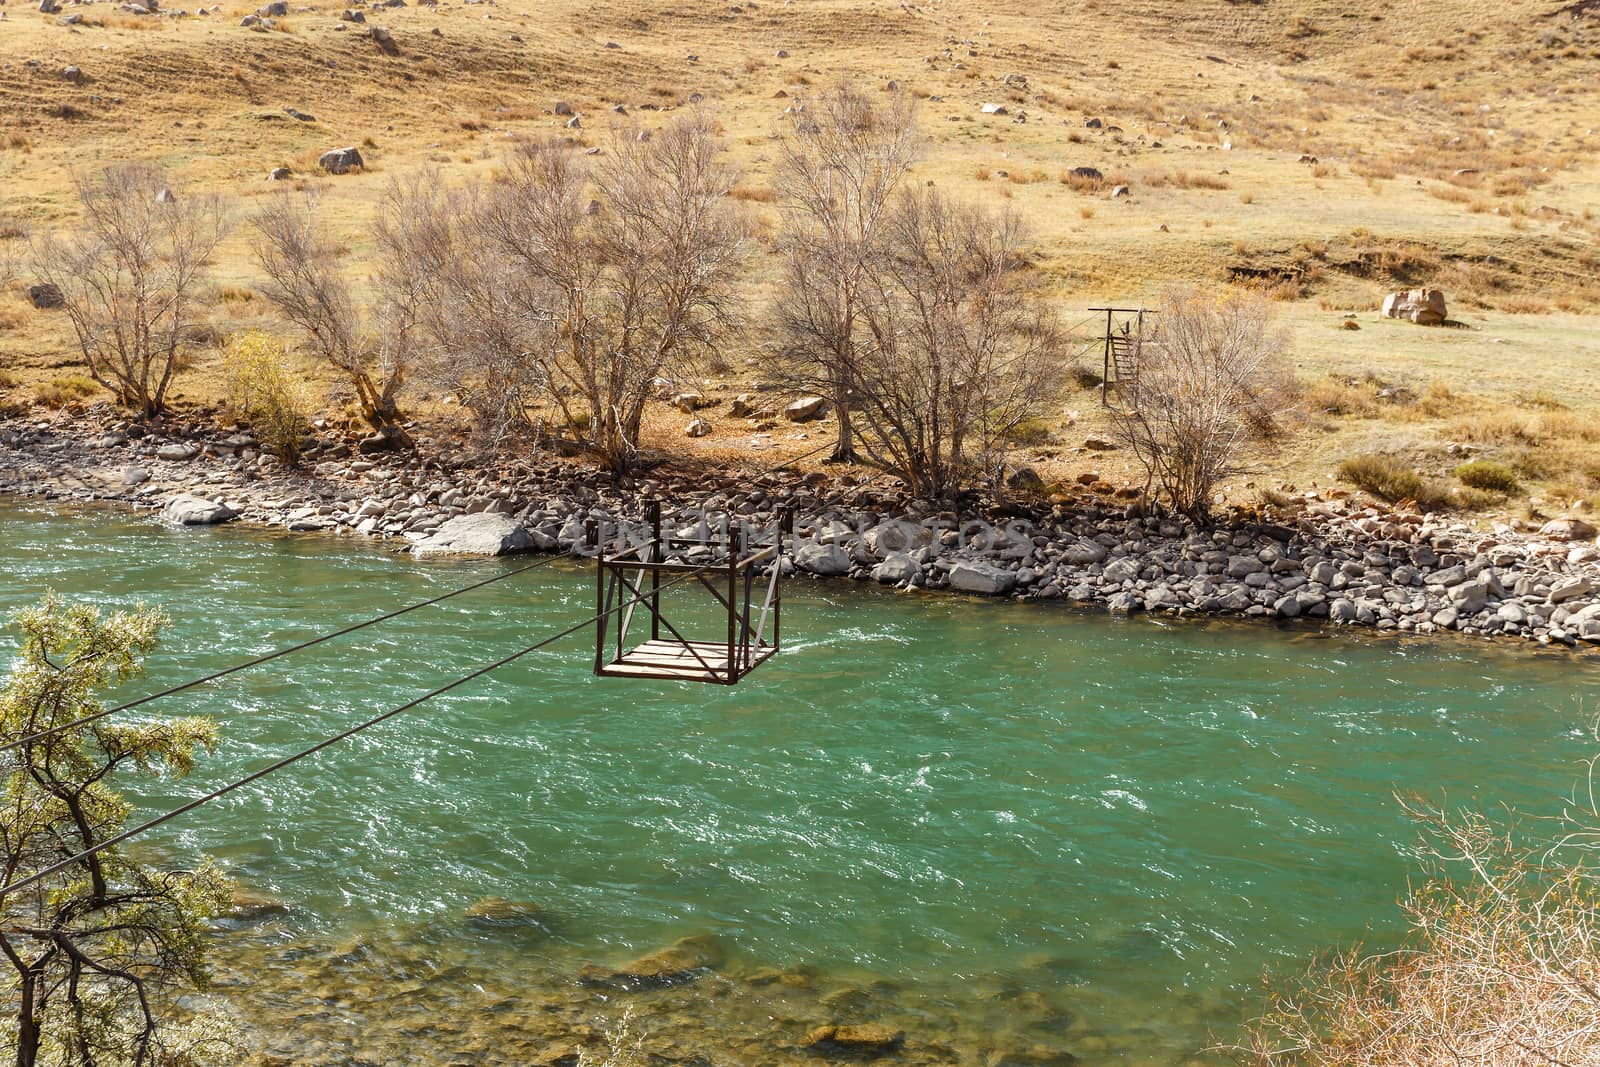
[
  {"x": 869, "y": 1038},
  {"x": 683, "y": 961},
  {"x": 498, "y": 913}
]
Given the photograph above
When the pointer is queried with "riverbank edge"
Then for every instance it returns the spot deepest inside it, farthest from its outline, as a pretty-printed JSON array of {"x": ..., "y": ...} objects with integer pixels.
[{"x": 1340, "y": 562}]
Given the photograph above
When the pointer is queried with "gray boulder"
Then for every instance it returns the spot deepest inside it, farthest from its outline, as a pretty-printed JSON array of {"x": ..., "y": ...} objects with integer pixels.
[
  {"x": 340, "y": 160},
  {"x": 1083, "y": 552},
  {"x": 805, "y": 409},
  {"x": 983, "y": 578},
  {"x": 486, "y": 533},
  {"x": 45, "y": 295},
  {"x": 825, "y": 561},
  {"x": 177, "y": 450},
  {"x": 189, "y": 510},
  {"x": 897, "y": 568}
]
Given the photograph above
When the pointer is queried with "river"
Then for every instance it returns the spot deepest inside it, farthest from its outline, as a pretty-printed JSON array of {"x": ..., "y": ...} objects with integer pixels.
[{"x": 1005, "y": 828}]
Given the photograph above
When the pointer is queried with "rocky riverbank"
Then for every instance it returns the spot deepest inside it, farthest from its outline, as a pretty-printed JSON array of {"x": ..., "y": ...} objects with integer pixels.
[{"x": 1329, "y": 559}]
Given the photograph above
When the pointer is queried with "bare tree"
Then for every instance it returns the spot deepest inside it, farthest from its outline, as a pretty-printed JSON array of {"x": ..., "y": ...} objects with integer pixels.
[
  {"x": 963, "y": 349},
  {"x": 372, "y": 347},
  {"x": 637, "y": 286},
  {"x": 1211, "y": 382},
  {"x": 842, "y": 161},
  {"x": 13, "y": 246},
  {"x": 130, "y": 274},
  {"x": 478, "y": 331}
]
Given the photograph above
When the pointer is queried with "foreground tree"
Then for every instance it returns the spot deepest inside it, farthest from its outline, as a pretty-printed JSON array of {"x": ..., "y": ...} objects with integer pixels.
[
  {"x": 372, "y": 346},
  {"x": 637, "y": 286},
  {"x": 97, "y": 951},
  {"x": 963, "y": 349},
  {"x": 1501, "y": 966},
  {"x": 1211, "y": 382},
  {"x": 130, "y": 276},
  {"x": 844, "y": 157}
]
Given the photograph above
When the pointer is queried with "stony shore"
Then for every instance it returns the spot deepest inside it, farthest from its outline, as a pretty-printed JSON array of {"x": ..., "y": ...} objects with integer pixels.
[{"x": 1334, "y": 559}]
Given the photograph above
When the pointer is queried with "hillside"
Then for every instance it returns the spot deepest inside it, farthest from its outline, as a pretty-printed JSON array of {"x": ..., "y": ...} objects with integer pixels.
[{"x": 1346, "y": 147}]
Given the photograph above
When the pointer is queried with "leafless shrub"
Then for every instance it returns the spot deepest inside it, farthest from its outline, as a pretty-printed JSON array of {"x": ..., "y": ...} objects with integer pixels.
[
  {"x": 842, "y": 161},
  {"x": 131, "y": 276},
  {"x": 638, "y": 287},
  {"x": 962, "y": 351},
  {"x": 1210, "y": 384},
  {"x": 1501, "y": 967},
  {"x": 477, "y": 330},
  {"x": 372, "y": 347}
]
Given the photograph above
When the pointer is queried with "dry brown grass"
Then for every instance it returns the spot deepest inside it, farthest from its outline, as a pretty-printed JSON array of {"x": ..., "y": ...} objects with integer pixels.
[{"x": 1185, "y": 179}]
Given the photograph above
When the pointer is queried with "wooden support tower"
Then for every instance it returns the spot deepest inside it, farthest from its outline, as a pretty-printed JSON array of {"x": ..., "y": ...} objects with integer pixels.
[
  {"x": 1122, "y": 342},
  {"x": 742, "y": 572}
]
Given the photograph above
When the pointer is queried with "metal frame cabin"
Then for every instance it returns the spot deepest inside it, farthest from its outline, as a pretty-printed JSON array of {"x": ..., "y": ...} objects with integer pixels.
[{"x": 727, "y": 562}]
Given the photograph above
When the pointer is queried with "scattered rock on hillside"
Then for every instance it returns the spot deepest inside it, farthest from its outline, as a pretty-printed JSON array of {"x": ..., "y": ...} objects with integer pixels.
[
  {"x": 45, "y": 295},
  {"x": 383, "y": 38},
  {"x": 71, "y": 74},
  {"x": 563, "y": 108},
  {"x": 697, "y": 428},
  {"x": 1121, "y": 191},
  {"x": 340, "y": 160},
  {"x": 805, "y": 409},
  {"x": 187, "y": 510},
  {"x": 301, "y": 115},
  {"x": 176, "y": 451},
  {"x": 277, "y": 9},
  {"x": 49, "y": 7},
  {"x": 279, "y": 174},
  {"x": 995, "y": 109},
  {"x": 349, "y": 15},
  {"x": 1568, "y": 529},
  {"x": 486, "y": 533},
  {"x": 1425, "y": 307},
  {"x": 1091, "y": 174},
  {"x": 1093, "y": 124}
]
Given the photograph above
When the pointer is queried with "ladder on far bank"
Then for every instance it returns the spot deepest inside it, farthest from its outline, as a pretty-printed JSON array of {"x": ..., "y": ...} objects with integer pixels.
[{"x": 1121, "y": 342}]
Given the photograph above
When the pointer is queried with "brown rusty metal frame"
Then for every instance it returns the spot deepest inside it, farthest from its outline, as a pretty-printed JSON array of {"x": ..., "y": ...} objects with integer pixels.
[{"x": 633, "y": 577}]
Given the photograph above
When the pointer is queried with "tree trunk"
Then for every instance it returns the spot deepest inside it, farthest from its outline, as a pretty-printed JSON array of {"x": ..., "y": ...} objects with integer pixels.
[
  {"x": 844, "y": 447},
  {"x": 28, "y": 1034}
]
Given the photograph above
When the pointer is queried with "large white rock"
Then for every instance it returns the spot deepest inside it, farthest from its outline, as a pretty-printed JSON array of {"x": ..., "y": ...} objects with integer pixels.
[
  {"x": 190, "y": 510},
  {"x": 984, "y": 578},
  {"x": 805, "y": 409},
  {"x": 485, "y": 534},
  {"x": 897, "y": 568},
  {"x": 825, "y": 561},
  {"x": 1425, "y": 307},
  {"x": 896, "y": 535}
]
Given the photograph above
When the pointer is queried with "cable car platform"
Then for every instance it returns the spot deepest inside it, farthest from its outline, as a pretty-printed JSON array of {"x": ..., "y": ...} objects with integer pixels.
[{"x": 683, "y": 661}]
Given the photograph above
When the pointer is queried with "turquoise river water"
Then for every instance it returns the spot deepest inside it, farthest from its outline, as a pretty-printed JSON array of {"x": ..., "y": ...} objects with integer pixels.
[{"x": 993, "y": 824}]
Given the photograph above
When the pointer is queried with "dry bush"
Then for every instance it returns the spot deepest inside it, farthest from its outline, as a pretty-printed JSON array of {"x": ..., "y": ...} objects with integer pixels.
[
  {"x": 1501, "y": 966},
  {"x": 1184, "y": 179},
  {"x": 266, "y": 389},
  {"x": 1338, "y": 395},
  {"x": 1211, "y": 384},
  {"x": 372, "y": 348},
  {"x": 1488, "y": 475},
  {"x": 1390, "y": 479},
  {"x": 759, "y": 194},
  {"x": 131, "y": 275}
]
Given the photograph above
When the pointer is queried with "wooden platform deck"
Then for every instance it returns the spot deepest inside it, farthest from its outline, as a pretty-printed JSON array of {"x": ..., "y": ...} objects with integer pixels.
[{"x": 673, "y": 660}]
